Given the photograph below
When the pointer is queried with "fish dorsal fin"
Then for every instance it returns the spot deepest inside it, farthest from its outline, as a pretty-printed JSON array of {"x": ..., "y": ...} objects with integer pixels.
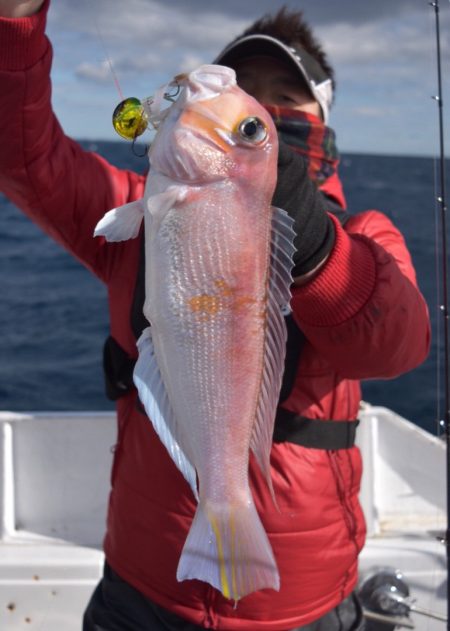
[
  {"x": 121, "y": 223},
  {"x": 279, "y": 295},
  {"x": 153, "y": 395}
]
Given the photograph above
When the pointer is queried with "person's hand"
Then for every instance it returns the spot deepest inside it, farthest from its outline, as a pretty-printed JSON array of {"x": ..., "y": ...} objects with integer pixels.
[
  {"x": 301, "y": 199},
  {"x": 19, "y": 8}
]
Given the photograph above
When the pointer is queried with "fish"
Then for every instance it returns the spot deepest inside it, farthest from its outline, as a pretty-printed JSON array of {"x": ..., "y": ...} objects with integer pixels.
[{"x": 218, "y": 259}]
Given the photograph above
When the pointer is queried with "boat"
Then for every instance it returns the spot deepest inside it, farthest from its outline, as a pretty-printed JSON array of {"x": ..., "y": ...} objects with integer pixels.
[{"x": 53, "y": 501}]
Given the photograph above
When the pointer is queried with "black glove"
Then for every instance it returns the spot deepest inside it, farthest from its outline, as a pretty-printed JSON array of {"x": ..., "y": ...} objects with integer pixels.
[{"x": 299, "y": 196}]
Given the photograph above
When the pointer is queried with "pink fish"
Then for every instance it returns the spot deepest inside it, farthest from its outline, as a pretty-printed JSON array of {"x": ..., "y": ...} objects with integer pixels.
[{"x": 218, "y": 260}]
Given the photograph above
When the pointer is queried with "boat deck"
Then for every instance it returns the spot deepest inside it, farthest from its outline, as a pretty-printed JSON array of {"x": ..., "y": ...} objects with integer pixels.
[{"x": 53, "y": 504}]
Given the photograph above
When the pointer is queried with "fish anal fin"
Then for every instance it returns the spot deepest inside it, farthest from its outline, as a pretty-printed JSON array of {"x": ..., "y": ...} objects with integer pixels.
[{"x": 153, "y": 395}]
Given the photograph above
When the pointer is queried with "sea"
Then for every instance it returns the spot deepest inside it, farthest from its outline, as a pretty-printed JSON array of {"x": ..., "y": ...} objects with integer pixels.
[{"x": 54, "y": 315}]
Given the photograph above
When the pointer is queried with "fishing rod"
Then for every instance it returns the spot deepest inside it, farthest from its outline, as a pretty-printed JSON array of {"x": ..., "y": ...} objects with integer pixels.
[{"x": 441, "y": 199}]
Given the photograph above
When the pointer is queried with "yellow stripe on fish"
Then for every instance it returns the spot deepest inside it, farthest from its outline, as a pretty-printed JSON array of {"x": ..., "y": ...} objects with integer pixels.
[
  {"x": 233, "y": 557},
  {"x": 217, "y": 269},
  {"x": 225, "y": 586}
]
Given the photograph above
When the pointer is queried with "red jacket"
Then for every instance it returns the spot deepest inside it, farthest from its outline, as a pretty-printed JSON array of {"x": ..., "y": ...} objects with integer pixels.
[{"x": 363, "y": 317}]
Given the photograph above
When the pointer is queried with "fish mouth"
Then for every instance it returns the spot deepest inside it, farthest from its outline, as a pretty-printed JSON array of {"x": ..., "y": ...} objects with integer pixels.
[
  {"x": 196, "y": 146},
  {"x": 203, "y": 123},
  {"x": 203, "y": 147},
  {"x": 194, "y": 157},
  {"x": 199, "y": 180},
  {"x": 216, "y": 142}
]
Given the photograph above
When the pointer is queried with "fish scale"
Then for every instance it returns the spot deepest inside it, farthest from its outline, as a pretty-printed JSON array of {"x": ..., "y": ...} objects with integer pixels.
[{"x": 218, "y": 260}]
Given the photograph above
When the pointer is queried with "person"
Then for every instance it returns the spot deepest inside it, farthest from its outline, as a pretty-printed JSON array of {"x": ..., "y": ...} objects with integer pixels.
[{"x": 357, "y": 313}]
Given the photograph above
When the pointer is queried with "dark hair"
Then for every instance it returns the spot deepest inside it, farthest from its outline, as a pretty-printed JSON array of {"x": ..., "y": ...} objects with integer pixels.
[{"x": 290, "y": 28}]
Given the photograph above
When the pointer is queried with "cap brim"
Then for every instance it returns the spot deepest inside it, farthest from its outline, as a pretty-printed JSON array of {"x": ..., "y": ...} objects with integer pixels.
[
  {"x": 309, "y": 71},
  {"x": 261, "y": 48}
]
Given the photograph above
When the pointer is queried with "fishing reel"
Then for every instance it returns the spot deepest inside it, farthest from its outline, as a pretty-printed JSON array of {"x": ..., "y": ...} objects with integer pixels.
[
  {"x": 382, "y": 594},
  {"x": 386, "y": 601}
]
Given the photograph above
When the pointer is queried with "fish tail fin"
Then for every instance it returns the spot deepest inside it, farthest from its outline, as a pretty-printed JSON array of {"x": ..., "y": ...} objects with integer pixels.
[{"x": 228, "y": 548}]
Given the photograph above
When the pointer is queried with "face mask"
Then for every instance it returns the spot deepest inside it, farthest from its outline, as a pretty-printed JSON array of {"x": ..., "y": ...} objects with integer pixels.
[{"x": 307, "y": 134}]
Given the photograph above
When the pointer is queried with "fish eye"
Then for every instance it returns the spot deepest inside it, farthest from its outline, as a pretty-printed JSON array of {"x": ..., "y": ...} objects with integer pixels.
[{"x": 252, "y": 130}]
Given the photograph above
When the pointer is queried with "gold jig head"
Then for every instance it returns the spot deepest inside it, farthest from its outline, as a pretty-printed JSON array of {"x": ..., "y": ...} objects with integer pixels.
[
  {"x": 132, "y": 116},
  {"x": 130, "y": 119}
]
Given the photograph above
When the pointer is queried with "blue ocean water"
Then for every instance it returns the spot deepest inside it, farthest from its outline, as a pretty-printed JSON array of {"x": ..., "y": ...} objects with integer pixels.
[{"x": 53, "y": 313}]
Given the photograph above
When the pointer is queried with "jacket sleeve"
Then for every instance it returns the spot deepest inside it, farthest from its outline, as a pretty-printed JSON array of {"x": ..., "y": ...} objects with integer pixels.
[
  {"x": 62, "y": 188},
  {"x": 363, "y": 312}
]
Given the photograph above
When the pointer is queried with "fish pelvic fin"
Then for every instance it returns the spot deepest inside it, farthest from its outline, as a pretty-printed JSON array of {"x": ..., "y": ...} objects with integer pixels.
[
  {"x": 121, "y": 223},
  {"x": 279, "y": 295},
  {"x": 228, "y": 548}
]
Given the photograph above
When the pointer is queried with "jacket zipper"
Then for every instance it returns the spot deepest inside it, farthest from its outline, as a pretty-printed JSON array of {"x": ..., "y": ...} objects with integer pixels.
[{"x": 349, "y": 516}]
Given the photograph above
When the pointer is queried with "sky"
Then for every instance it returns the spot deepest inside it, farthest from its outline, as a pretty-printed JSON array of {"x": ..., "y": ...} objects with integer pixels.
[{"x": 383, "y": 52}]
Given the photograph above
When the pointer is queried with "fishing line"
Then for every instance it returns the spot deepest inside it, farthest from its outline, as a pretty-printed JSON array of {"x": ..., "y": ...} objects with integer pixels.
[
  {"x": 119, "y": 90},
  {"x": 108, "y": 60}
]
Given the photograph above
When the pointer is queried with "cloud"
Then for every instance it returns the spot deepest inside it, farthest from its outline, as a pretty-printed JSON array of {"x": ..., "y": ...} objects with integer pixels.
[
  {"x": 383, "y": 52},
  {"x": 94, "y": 72},
  {"x": 190, "y": 61},
  {"x": 318, "y": 11},
  {"x": 139, "y": 37},
  {"x": 373, "y": 112},
  {"x": 154, "y": 36},
  {"x": 147, "y": 23},
  {"x": 382, "y": 41},
  {"x": 387, "y": 58}
]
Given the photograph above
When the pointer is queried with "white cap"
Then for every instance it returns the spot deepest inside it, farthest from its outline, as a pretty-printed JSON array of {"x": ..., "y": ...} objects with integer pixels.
[{"x": 317, "y": 80}]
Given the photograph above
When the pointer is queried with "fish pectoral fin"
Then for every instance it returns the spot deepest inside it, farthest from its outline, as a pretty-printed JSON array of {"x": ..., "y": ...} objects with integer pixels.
[
  {"x": 160, "y": 203},
  {"x": 228, "y": 548},
  {"x": 280, "y": 279},
  {"x": 153, "y": 395},
  {"x": 121, "y": 223}
]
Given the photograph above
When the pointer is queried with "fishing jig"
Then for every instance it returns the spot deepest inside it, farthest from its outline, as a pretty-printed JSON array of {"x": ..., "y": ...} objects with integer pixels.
[
  {"x": 132, "y": 116},
  {"x": 130, "y": 119}
]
